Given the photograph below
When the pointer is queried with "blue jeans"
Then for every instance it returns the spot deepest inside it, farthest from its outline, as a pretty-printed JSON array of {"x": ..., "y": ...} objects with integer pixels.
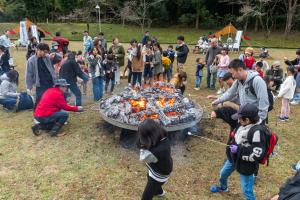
[
  {"x": 8, "y": 102},
  {"x": 167, "y": 74},
  {"x": 208, "y": 79},
  {"x": 98, "y": 88},
  {"x": 247, "y": 182},
  {"x": 76, "y": 91},
  {"x": 296, "y": 97},
  {"x": 137, "y": 77},
  {"x": 198, "y": 81},
  {"x": 59, "y": 117}
]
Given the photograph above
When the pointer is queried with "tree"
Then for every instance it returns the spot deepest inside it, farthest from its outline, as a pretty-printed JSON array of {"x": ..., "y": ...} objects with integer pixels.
[
  {"x": 291, "y": 7},
  {"x": 138, "y": 11},
  {"x": 263, "y": 13},
  {"x": 200, "y": 9}
]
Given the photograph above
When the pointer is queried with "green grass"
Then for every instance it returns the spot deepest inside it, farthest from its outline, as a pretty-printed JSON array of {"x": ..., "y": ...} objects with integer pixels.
[
  {"x": 88, "y": 163},
  {"x": 165, "y": 35}
]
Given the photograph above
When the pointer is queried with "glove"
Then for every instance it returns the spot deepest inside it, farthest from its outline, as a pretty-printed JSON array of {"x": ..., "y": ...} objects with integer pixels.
[
  {"x": 80, "y": 109},
  {"x": 233, "y": 148}
]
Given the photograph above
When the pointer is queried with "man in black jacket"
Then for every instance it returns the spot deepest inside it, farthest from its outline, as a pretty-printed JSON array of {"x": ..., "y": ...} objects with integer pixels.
[
  {"x": 290, "y": 190},
  {"x": 295, "y": 62},
  {"x": 70, "y": 70},
  {"x": 182, "y": 51},
  {"x": 246, "y": 147}
]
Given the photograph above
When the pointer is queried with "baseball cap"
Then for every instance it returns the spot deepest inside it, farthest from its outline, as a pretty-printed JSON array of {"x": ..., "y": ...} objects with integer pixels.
[
  {"x": 61, "y": 82},
  {"x": 247, "y": 110}
]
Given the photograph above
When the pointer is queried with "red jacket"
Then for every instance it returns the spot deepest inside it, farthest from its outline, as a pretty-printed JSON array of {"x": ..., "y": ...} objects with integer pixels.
[
  {"x": 249, "y": 62},
  {"x": 61, "y": 42},
  {"x": 52, "y": 101}
]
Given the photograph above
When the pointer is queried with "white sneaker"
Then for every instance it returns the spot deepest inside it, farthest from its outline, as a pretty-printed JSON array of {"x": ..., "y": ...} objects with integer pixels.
[
  {"x": 162, "y": 194},
  {"x": 196, "y": 88},
  {"x": 35, "y": 121},
  {"x": 294, "y": 103}
]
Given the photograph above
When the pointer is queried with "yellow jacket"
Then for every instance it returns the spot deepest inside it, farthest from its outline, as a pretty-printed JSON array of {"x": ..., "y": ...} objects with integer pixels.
[{"x": 166, "y": 62}]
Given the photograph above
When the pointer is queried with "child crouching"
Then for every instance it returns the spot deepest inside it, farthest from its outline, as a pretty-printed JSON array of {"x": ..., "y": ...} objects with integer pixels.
[
  {"x": 246, "y": 148},
  {"x": 155, "y": 151}
]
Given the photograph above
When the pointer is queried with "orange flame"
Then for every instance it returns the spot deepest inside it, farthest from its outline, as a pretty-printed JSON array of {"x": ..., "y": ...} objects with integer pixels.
[
  {"x": 162, "y": 102},
  {"x": 138, "y": 106}
]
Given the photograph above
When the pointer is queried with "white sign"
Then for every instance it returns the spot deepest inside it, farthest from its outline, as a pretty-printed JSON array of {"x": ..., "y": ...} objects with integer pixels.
[
  {"x": 34, "y": 32},
  {"x": 23, "y": 33}
]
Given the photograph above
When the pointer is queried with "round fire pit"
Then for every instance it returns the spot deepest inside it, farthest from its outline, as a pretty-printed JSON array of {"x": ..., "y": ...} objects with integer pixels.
[{"x": 162, "y": 103}]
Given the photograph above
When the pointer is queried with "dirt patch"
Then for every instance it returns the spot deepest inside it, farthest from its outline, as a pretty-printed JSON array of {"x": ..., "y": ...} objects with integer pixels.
[{"x": 49, "y": 170}]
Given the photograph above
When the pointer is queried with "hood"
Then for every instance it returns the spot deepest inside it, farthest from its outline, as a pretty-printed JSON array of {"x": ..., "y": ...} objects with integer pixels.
[
  {"x": 4, "y": 77},
  {"x": 251, "y": 74}
]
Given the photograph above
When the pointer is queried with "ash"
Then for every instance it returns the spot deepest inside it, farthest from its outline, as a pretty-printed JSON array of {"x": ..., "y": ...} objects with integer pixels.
[{"x": 162, "y": 103}]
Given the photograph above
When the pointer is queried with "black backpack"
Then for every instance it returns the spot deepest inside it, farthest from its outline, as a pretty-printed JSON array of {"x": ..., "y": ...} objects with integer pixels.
[
  {"x": 270, "y": 95},
  {"x": 271, "y": 140}
]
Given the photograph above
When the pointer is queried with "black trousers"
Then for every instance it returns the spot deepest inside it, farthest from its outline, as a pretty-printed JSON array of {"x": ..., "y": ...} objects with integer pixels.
[{"x": 152, "y": 189}]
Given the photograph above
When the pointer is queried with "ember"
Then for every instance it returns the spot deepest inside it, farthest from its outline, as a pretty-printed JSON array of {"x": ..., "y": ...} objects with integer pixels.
[
  {"x": 138, "y": 105},
  {"x": 162, "y": 103}
]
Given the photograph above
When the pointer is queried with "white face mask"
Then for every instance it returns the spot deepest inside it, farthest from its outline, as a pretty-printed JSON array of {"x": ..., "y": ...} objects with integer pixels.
[{"x": 55, "y": 47}]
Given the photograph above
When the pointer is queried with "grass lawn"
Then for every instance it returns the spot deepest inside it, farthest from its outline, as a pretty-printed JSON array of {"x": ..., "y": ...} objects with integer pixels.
[
  {"x": 88, "y": 163},
  {"x": 165, "y": 35}
]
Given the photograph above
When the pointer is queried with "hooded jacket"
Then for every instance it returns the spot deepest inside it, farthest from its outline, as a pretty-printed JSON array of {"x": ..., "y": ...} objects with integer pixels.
[
  {"x": 251, "y": 144},
  {"x": 7, "y": 88},
  {"x": 242, "y": 89},
  {"x": 291, "y": 189},
  {"x": 287, "y": 88},
  {"x": 182, "y": 53}
]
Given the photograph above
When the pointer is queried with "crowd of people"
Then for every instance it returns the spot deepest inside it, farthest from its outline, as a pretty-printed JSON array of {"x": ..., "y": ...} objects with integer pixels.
[{"x": 252, "y": 87}]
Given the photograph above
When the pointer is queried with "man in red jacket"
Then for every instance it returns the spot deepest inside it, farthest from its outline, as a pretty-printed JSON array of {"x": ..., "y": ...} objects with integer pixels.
[
  {"x": 51, "y": 110},
  {"x": 63, "y": 43}
]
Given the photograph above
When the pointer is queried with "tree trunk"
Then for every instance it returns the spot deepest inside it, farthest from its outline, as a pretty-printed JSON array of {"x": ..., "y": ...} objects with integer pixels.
[
  {"x": 288, "y": 25},
  {"x": 261, "y": 23},
  {"x": 256, "y": 25},
  {"x": 291, "y": 9},
  {"x": 246, "y": 24},
  {"x": 123, "y": 22},
  {"x": 197, "y": 21}
]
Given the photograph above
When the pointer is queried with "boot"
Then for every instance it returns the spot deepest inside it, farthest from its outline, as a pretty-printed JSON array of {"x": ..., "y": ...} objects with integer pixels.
[
  {"x": 36, "y": 130},
  {"x": 55, "y": 129}
]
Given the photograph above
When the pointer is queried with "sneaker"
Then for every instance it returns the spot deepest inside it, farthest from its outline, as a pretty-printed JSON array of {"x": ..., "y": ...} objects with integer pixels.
[
  {"x": 196, "y": 88},
  {"x": 282, "y": 119},
  {"x": 61, "y": 134},
  {"x": 36, "y": 130},
  {"x": 162, "y": 194},
  {"x": 294, "y": 103},
  {"x": 286, "y": 118},
  {"x": 35, "y": 121},
  {"x": 216, "y": 189}
]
